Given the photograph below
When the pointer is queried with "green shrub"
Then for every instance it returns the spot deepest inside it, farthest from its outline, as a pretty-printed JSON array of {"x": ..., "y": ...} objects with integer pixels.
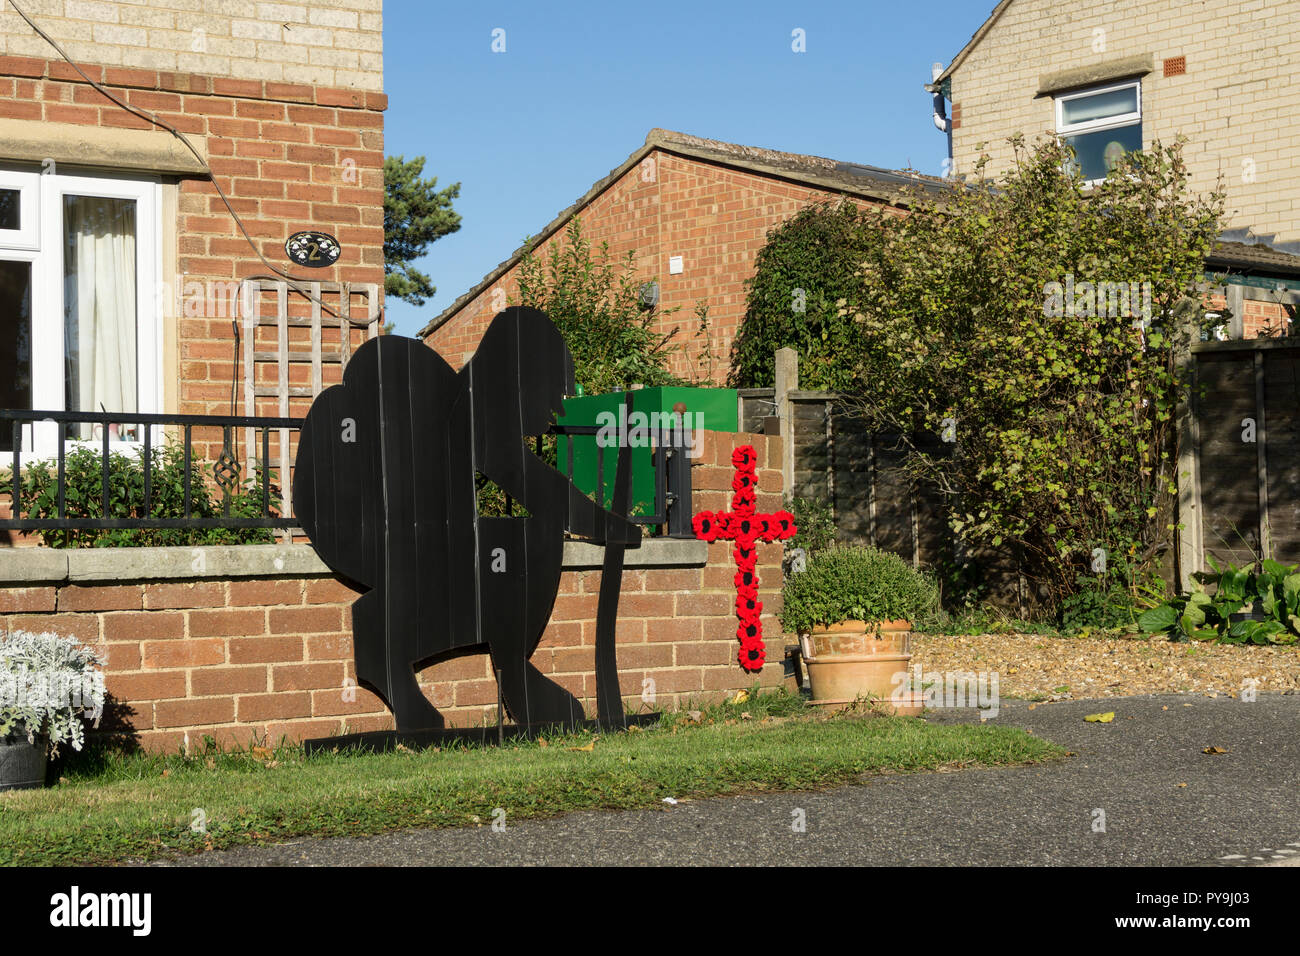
[
  {"x": 858, "y": 584},
  {"x": 83, "y": 498},
  {"x": 1113, "y": 599},
  {"x": 815, "y": 523},
  {"x": 1098, "y": 603},
  {"x": 594, "y": 301},
  {"x": 1064, "y": 413},
  {"x": 806, "y": 269},
  {"x": 1271, "y": 596}
]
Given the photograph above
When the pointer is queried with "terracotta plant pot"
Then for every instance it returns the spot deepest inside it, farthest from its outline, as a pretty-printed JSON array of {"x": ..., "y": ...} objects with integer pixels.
[
  {"x": 22, "y": 765},
  {"x": 859, "y": 659}
]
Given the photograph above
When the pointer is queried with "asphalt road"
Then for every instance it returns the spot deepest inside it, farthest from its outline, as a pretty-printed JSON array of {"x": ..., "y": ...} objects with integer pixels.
[{"x": 1240, "y": 805}]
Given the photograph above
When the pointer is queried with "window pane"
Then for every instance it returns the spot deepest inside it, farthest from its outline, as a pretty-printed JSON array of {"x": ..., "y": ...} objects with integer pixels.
[
  {"x": 15, "y": 342},
  {"x": 1099, "y": 106},
  {"x": 10, "y": 213},
  {"x": 1098, "y": 152},
  {"x": 99, "y": 329}
]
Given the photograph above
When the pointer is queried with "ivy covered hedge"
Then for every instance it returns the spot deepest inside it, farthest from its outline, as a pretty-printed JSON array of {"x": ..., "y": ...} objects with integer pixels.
[{"x": 807, "y": 268}]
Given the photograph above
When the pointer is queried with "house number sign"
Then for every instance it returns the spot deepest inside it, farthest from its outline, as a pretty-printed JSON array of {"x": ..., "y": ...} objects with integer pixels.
[{"x": 315, "y": 250}]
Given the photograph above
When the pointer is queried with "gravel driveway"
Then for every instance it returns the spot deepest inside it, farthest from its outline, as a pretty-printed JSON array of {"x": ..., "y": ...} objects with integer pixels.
[{"x": 1034, "y": 667}]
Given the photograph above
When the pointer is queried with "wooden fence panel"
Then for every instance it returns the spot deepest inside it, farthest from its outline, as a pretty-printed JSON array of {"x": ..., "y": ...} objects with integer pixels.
[
  {"x": 854, "y": 466},
  {"x": 1228, "y": 463},
  {"x": 1281, "y": 387},
  {"x": 812, "y": 462}
]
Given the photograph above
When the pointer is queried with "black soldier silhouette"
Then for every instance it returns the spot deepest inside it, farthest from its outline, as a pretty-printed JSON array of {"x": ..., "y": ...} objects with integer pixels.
[{"x": 385, "y": 487}]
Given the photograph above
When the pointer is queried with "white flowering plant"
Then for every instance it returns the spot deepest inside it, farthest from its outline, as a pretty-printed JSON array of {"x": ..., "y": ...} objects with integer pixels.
[{"x": 48, "y": 685}]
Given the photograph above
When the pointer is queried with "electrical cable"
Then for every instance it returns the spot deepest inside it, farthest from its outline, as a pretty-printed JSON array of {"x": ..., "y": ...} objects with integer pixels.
[{"x": 151, "y": 118}]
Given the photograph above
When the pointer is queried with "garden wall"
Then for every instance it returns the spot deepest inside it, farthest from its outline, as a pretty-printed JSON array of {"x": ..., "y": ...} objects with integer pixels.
[{"x": 255, "y": 641}]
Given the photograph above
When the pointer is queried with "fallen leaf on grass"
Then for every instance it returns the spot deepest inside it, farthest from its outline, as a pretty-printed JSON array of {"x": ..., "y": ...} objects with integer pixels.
[
  {"x": 1214, "y": 750},
  {"x": 694, "y": 716},
  {"x": 541, "y": 742},
  {"x": 590, "y": 746},
  {"x": 1105, "y": 718},
  {"x": 741, "y": 697},
  {"x": 262, "y": 753}
]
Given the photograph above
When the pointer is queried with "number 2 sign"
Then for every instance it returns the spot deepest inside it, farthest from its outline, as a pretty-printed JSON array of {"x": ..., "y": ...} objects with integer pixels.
[{"x": 315, "y": 250}]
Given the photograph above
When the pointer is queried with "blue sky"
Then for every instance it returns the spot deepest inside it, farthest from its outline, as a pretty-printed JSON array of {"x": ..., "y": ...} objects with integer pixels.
[{"x": 527, "y": 131}]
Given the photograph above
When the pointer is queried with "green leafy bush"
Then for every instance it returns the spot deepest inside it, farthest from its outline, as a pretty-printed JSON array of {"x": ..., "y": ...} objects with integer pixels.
[
  {"x": 815, "y": 522},
  {"x": 858, "y": 584},
  {"x": 1097, "y": 603},
  {"x": 83, "y": 498},
  {"x": 1113, "y": 599},
  {"x": 1035, "y": 323},
  {"x": 595, "y": 304},
  {"x": 806, "y": 269},
  {"x": 1270, "y": 596}
]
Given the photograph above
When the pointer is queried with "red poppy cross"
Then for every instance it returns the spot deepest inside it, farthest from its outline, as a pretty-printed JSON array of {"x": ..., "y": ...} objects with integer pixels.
[{"x": 746, "y": 527}]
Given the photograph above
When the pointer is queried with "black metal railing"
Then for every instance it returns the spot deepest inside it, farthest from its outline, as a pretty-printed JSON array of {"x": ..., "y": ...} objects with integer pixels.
[
  {"x": 226, "y": 469},
  {"x": 669, "y": 457}
]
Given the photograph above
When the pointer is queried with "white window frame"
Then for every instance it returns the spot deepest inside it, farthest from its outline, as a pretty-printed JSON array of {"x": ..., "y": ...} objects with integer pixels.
[
  {"x": 28, "y": 236},
  {"x": 1133, "y": 118},
  {"x": 43, "y": 247}
]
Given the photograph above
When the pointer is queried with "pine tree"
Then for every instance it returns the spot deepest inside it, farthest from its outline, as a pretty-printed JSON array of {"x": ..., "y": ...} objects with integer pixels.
[{"x": 416, "y": 214}]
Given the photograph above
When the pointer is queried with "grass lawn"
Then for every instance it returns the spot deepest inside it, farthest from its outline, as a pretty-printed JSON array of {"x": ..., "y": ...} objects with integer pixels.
[{"x": 142, "y": 806}]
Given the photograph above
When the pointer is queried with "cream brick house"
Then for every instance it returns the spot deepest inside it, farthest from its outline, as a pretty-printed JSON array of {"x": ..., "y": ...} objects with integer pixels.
[{"x": 1120, "y": 75}]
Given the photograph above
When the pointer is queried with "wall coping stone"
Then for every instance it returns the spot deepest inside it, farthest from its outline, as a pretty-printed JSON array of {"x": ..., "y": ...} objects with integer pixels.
[{"x": 25, "y": 566}]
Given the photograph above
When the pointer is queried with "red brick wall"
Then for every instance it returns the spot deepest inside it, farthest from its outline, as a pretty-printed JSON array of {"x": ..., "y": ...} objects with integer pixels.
[
  {"x": 289, "y": 157},
  {"x": 715, "y": 217},
  {"x": 269, "y": 657},
  {"x": 1259, "y": 318}
]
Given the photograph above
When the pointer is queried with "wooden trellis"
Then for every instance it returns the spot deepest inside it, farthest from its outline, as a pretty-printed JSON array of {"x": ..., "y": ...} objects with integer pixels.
[{"x": 336, "y": 297}]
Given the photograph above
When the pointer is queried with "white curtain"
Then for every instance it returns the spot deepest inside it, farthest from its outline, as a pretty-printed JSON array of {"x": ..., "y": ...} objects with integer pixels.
[{"x": 100, "y": 303}]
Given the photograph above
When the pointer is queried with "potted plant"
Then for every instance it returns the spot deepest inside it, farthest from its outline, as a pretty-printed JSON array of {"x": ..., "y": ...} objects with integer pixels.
[
  {"x": 854, "y": 610},
  {"x": 48, "y": 684}
]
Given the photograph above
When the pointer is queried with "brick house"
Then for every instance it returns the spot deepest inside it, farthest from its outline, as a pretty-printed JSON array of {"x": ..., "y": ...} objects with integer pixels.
[
  {"x": 283, "y": 105},
  {"x": 124, "y": 281},
  {"x": 696, "y": 212},
  {"x": 1117, "y": 76}
]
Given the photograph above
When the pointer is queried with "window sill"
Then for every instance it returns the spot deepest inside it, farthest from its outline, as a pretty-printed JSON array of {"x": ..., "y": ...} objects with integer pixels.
[{"x": 25, "y": 566}]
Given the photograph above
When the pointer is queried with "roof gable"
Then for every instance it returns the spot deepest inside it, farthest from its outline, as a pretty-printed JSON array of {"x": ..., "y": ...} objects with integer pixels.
[
  {"x": 853, "y": 179},
  {"x": 971, "y": 43}
]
